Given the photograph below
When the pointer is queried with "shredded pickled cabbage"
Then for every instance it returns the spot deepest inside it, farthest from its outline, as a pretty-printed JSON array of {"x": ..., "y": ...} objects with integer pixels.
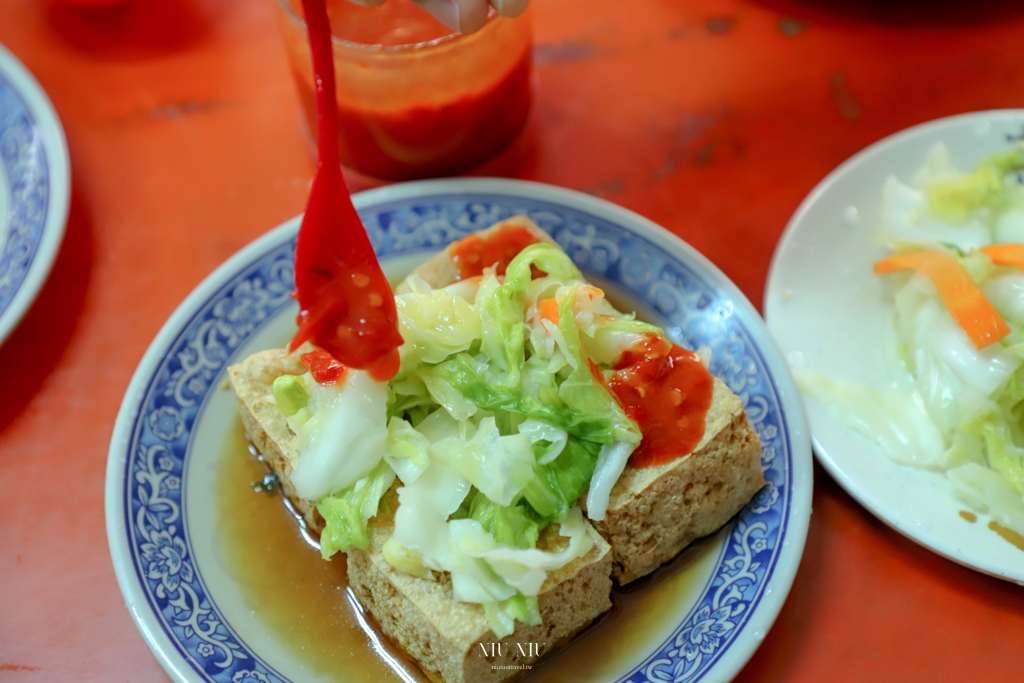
[
  {"x": 494, "y": 427},
  {"x": 963, "y": 412}
]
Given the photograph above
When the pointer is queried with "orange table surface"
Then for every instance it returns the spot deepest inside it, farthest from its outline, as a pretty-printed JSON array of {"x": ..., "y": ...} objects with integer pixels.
[{"x": 714, "y": 118}]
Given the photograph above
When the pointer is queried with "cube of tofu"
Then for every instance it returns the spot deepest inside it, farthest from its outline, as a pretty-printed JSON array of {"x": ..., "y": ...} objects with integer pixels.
[
  {"x": 654, "y": 512},
  {"x": 451, "y": 640}
]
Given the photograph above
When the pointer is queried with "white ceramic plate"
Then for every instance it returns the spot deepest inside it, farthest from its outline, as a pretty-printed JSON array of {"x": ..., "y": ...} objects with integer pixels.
[
  {"x": 35, "y": 184},
  {"x": 162, "y": 522},
  {"x": 826, "y": 309}
]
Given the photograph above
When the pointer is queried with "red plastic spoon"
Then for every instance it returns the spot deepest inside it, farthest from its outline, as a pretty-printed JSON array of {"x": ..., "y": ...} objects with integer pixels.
[{"x": 346, "y": 305}]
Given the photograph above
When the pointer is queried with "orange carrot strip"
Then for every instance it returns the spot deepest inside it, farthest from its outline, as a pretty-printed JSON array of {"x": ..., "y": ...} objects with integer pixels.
[
  {"x": 1006, "y": 254},
  {"x": 960, "y": 294},
  {"x": 548, "y": 309}
]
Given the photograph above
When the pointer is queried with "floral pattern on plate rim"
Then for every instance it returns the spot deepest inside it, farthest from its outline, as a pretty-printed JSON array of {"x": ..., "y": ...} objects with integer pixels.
[{"x": 26, "y": 171}]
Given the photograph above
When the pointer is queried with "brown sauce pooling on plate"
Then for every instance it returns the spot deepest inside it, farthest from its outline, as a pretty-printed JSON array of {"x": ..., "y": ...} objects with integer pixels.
[
  {"x": 1008, "y": 535},
  {"x": 299, "y": 597},
  {"x": 305, "y": 604}
]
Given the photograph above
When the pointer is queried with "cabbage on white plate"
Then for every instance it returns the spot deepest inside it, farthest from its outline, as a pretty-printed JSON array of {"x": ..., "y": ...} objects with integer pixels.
[{"x": 963, "y": 410}]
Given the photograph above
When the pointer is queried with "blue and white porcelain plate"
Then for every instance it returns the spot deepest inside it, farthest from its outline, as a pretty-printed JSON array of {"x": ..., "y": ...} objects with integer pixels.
[
  {"x": 712, "y": 609},
  {"x": 35, "y": 184}
]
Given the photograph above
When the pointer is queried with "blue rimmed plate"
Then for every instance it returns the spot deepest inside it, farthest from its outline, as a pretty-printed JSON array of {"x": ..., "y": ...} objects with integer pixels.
[
  {"x": 712, "y": 610},
  {"x": 35, "y": 184}
]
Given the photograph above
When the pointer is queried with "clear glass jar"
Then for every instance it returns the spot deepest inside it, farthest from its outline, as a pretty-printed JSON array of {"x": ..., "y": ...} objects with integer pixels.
[{"x": 414, "y": 99}]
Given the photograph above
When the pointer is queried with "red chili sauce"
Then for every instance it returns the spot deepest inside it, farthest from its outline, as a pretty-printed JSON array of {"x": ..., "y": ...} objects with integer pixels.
[
  {"x": 472, "y": 254},
  {"x": 667, "y": 391},
  {"x": 345, "y": 303},
  {"x": 433, "y": 138},
  {"x": 325, "y": 368}
]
